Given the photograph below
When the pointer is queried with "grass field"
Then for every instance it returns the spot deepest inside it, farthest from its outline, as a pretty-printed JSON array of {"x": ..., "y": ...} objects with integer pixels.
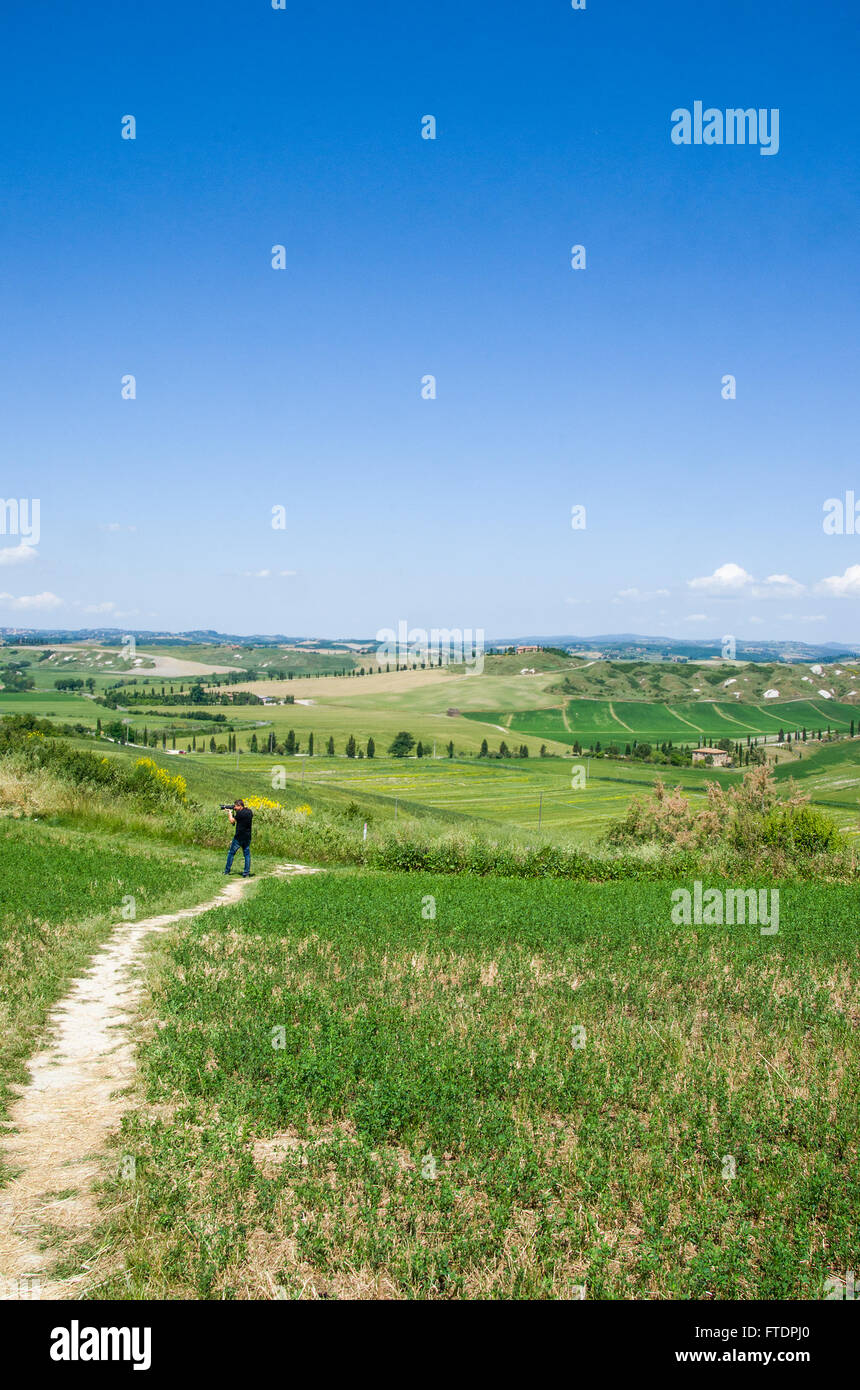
[
  {"x": 526, "y": 795},
  {"x": 59, "y": 705},
  {"x": 671, "y": 682},
  {"x": 622, "y": 721},
  {"x": 438, "y": 706},
  {"x": 257, "y": 659},
  {"x": 522, "y": 795},
  {"x": 831, "y": 777},
  {"x": 165, "y": 662},
  {"x": 428, "y": 1124},
  {"x": 447, "y": 705},
  {"x": 532, "y": 1090},
  {"x": 61, "y": 889}
]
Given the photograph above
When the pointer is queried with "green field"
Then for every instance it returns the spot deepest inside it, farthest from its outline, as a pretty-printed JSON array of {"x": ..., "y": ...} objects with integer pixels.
[
  {"x": 685, "y": 722},
  {"x": 61, "y": 889},
  {"x": 59, "y": 705},
  {"x": 671, "y": 682},
  {"x": 525, "y": 797},
  {"x": 831, "y": 778},
  {"x": 442, "y": 706},
  {"x": 520, "y": 795},
  {"x": 532, "y": 1090},
  {"x": 430, "y": 1019}
]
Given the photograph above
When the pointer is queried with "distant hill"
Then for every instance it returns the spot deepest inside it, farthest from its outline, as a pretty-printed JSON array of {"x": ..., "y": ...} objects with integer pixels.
[
  {"x": 727, "y": 682},
  {"x": 624, "y": 646},
  {"x": 629, "y": 646}
]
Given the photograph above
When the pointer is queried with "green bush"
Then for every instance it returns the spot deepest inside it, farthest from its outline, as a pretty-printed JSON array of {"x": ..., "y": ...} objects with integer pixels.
[
  {"x": 803, "y": 829},
  {"x": 142, "y": 782}
]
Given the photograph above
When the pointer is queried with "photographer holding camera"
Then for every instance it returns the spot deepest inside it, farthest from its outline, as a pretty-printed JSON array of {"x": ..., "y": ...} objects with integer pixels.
[{"x": 240, "y": 817}]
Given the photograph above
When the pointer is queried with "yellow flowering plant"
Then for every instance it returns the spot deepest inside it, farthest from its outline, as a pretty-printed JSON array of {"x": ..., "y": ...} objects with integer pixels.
[{"x": 161, "y": 781}]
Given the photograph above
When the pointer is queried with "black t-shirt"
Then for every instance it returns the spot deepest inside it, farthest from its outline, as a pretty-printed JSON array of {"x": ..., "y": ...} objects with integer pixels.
[{"x": 242, "y": 831}]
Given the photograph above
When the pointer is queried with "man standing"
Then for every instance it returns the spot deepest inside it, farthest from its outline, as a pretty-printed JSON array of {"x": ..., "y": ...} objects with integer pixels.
[{"x": 240, "y": 817}]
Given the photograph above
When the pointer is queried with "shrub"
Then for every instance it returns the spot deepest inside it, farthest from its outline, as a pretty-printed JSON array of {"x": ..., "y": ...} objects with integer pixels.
[
  {"x": 747, "y": 820},
  {"x": 152, "y": 784},
  {"x": 145, "y": 783},
  {"x": 802, "y": 829}
]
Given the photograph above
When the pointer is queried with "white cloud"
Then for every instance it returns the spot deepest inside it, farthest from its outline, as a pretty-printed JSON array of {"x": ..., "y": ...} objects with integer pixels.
[
  {"x": 17, "y": 554},
  {"x": 778, "y": 586},
  {"x": 727, "y": 579},
  {"x": 845, "y": 585},
  {"x": 29, "y": 601}
]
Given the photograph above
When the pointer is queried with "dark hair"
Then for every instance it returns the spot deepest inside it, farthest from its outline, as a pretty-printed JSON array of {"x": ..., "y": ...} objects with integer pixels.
[{"x": 238, "y": 801}]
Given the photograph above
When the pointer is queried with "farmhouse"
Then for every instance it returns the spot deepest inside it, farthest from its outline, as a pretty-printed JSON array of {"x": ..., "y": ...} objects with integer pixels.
[
  {"x": 520, "y": 650},
  {"x": 715, "y": 757}
]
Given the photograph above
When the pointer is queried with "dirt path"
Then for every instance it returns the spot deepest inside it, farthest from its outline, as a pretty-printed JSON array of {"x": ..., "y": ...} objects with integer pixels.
[
  {"x": 620, "y": 720},
  {"x": 63, "y": 1116}
]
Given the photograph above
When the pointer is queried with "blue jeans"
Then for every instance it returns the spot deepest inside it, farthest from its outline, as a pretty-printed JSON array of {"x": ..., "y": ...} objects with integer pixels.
[{"x": 246, "y": 850}]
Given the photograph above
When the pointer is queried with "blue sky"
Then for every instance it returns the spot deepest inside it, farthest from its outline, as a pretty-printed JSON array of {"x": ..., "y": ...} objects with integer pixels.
[{"x": 406, "y": 257}]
